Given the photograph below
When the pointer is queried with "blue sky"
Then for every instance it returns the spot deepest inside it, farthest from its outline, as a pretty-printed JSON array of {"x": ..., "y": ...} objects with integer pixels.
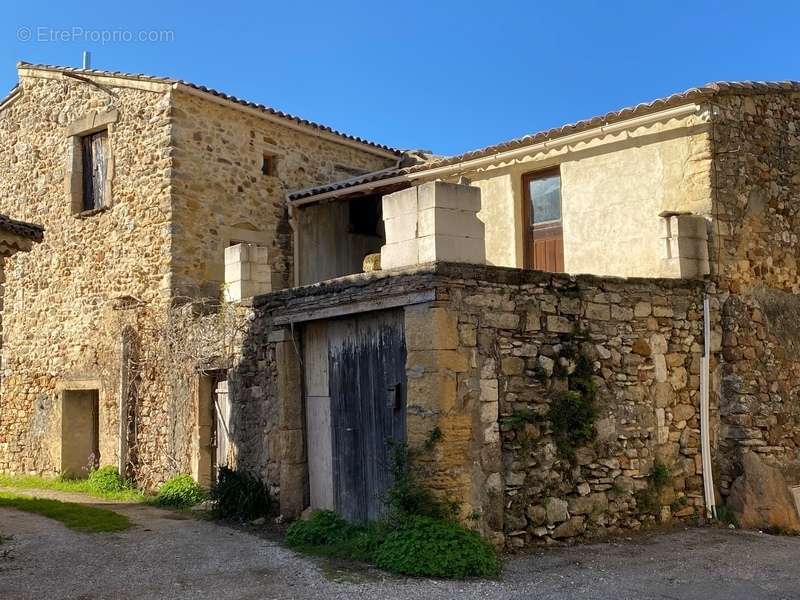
[{"x": 445, "y": 76}]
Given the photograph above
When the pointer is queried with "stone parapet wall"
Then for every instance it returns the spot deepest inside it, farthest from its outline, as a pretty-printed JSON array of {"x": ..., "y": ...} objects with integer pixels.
[
  {"x": 642, "y": 340},
  {"x": 755, "y": 188},
  {"x": 488, "y": 351},
  {"x": 755, "y": 249}
]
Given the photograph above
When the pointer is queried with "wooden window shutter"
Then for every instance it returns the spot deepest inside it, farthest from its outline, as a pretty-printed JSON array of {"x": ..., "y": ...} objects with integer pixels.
[{"x": 94, "y": 149}]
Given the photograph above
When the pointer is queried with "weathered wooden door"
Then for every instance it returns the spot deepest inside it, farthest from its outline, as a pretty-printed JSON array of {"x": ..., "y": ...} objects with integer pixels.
[
  {"x": 222, "y": 418},
  {"x": 544, "y": 243},
  {"x": 367, "y": 358}
]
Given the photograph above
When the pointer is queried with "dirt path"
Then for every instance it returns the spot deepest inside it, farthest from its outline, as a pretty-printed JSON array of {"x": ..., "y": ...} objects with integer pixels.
[{"x": 168, "y": 555}]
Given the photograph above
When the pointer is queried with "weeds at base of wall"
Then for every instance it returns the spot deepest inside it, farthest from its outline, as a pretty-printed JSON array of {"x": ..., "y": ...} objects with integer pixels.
[
  {"x": 419, "y": 537},
  {"x": 647, "y": 499},
  {"x": 180, "y": 491},
  {"x": 239, "y": 496},
  {"x": 725, "y": 515}
]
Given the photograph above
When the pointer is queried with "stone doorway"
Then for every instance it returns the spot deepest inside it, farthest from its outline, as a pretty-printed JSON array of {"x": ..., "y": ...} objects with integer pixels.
[
  {"x": 212, "y": 427},
  {"x": 80, "y": 431}
]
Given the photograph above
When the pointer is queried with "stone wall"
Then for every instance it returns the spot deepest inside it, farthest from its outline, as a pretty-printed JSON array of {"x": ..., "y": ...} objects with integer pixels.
[
  {"x": 221, "y": 195},
  {"x": 642, "y": 342},
  {"x": 754, "y": 256},
  {"x": 59, "y": 315},
  {"x": 488, "y": 351}
]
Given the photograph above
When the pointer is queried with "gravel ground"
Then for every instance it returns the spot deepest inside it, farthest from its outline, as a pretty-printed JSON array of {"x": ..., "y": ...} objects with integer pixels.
[{"x": 169, "y": 555}]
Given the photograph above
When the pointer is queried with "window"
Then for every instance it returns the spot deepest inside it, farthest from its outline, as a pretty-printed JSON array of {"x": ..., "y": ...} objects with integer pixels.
[
  {"x": 364, "y": 215},
  {"x": 544, "y": 243},
  {"x": 269, "y": 165},
  {"x": 94, "y": 161},
  {"x": 545, "y": 194}
]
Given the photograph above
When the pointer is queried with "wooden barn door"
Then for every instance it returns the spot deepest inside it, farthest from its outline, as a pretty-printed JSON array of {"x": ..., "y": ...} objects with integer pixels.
[
  {"x": 544, "y": 243},
  {"x": 367, "y": 360}
]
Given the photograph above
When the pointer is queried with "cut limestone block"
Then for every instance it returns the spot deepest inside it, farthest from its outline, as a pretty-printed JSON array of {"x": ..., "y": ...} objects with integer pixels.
[
  {"x": 247, "y": 272},
  {"x": 436, "y": 221}
]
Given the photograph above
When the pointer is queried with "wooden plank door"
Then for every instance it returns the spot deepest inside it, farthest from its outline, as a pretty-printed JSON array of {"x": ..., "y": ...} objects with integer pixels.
[
  {"x": 318, "y": 415},
  {"x": 366, "y": 373},
  {"x": 222, "y": 419},
  {"x": 544, "y": 239}
]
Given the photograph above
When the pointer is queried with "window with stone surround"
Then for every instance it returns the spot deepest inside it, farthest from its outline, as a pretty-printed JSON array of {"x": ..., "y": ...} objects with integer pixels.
[
  {"x": 90, "y": 163},
  {"x": 94, "y": 149},
  {"x": 269, "y": 164}
]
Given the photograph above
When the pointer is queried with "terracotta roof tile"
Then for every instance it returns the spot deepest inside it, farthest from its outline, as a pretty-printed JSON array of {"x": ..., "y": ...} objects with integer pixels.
[
  {"x": 21, "y": 228},
  {"x": 202, "y": 88},
  {"x": 691, "y": 95}
]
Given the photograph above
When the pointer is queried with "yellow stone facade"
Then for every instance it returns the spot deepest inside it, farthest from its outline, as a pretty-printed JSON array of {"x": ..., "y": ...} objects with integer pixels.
[{"x": 188, "y": 179}]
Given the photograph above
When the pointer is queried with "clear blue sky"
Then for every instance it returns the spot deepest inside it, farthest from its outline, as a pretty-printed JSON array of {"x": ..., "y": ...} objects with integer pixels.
[{"x": 446, "y": 76}]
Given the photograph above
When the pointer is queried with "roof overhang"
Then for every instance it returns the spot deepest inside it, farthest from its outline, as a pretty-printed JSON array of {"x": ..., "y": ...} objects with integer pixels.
[
  {"x": 381, "y": 180},
  {"x": 165, "y": 84}
]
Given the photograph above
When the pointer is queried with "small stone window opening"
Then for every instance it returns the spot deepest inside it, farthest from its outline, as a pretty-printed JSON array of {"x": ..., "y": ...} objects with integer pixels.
[
  {"x": 94, "y": 163},
  {"x": 364, "y": 216},
  {"x": 269, "y": 165}
]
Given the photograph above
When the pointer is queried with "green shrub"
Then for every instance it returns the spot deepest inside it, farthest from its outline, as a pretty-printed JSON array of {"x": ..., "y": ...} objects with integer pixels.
[
  {"x": 419, "y": 536},
  {"x": 239, "y": 496},
  {"x": 106, "y": 480},
  {"x": 327, "y": 534},
  {"x": 180, "y": 491},
  {"x": 660, "y": 476},
  {"x": 726, "y": 516},
  {"x": 324, "y": 527},
  {"x": 572, "y": 417},
  {"x": 423, "y": 546}
]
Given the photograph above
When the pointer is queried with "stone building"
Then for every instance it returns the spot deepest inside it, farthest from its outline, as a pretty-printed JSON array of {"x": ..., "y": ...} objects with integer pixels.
[
  {"x": 141, "y": 183},
  {"x": 693, "y": 368},
  {"x": 577, "y": 332},
  {"x": 15, "y": 236}
]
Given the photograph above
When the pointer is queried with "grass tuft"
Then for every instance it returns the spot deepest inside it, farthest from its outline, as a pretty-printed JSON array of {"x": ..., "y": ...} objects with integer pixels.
[
  {"x": 82, "y": 486},
  {"x": 180, "y": 491},
  {"x": 78, "y": 517}
]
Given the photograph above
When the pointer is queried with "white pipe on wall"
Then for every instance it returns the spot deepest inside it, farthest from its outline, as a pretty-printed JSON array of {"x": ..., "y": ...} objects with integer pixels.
[{"x": 705, "y": 433}]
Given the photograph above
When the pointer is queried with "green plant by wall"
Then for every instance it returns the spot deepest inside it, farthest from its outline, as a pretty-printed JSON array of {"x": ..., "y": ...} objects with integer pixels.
[
  {"x": 519, "y": 418},
  {"x": 180, "y": 491},
  {"x": 419, "y": 536},
  {"x": 434, "y": 438},
  {"x": 422, "y": 546},
  {"x": 660, "y": 475},
  {"x": 407, "y": 496},
  {"x": 326, "y": 534},
  {"x": 647, "y": 500},
  {"x": 725, "y": 515},
  {"x": 239, "y": 496},
  {"x": 417, "y": 545},
  {"x": 106, "y": 480},
  {"x": 572, "y": 413}
]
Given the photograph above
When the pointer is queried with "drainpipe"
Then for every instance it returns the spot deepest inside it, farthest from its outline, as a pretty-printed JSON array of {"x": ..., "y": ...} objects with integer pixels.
[{"x": 705, "y": 436}]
